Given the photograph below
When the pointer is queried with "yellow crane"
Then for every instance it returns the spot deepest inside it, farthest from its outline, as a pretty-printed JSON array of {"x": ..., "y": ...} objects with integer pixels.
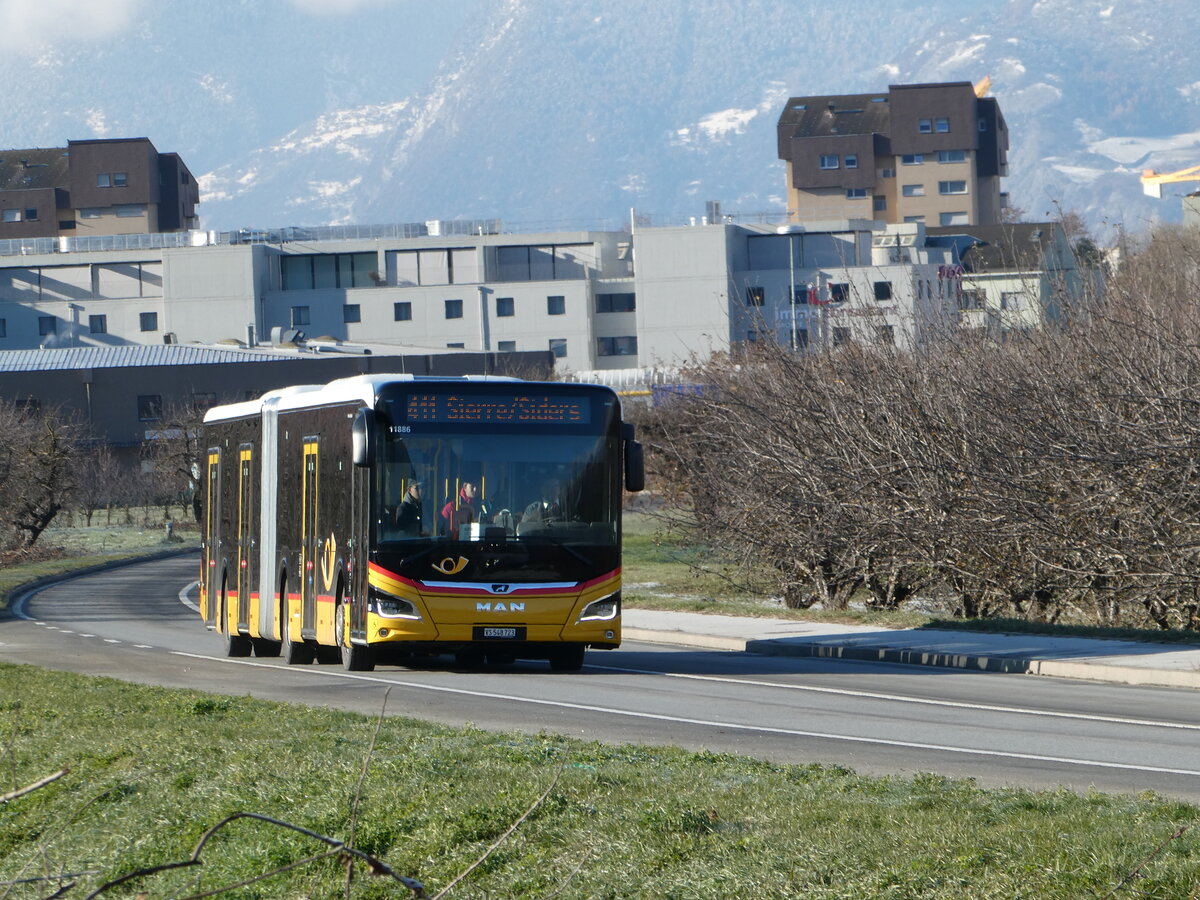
[{"x": 1152, "y": 181}]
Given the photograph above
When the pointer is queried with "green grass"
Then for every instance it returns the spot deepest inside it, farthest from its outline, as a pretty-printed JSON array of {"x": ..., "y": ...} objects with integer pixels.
[{"x": 627, "y": 822}]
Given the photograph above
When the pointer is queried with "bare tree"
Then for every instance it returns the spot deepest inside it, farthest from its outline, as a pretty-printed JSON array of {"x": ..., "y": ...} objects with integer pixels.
[{"x": 37, "y": 471}]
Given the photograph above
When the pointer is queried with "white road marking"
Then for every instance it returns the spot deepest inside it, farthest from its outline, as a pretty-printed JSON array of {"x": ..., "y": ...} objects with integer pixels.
[
  {"x": 709, "y": 723},
  {"x": 183, "y": 596},
  {"x": 896, "y": 698},
  {"x": 112, "y": 641}
]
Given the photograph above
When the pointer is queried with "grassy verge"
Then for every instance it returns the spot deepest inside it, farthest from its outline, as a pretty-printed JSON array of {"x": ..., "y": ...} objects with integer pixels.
[
  {"x": 664, "y": 570},
  {"x": 624, "y": 822}
]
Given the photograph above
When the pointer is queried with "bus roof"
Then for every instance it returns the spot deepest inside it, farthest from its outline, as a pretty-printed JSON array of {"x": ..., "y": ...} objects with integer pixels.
[{"x": 363, "y": 388}]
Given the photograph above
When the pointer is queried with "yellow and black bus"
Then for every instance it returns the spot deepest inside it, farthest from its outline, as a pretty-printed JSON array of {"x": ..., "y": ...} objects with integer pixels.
[{"x": 385, "y": 517}]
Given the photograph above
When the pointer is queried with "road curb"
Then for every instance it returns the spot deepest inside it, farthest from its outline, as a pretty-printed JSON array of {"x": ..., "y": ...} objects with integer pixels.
[
  {"x": 1052, "y": 668},
  {"x": 16, "y": 593},
  {"x": 684, "y": 639}
]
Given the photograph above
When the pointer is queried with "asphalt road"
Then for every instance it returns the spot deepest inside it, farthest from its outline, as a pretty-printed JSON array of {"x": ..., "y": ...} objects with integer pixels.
[{"x": 132, "y": 624}]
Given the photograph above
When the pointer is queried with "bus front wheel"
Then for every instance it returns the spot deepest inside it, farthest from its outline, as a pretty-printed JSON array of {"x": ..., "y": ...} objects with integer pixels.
[
  {"x": 355, "y": 657},
  {"x": 568, "y": 658}
]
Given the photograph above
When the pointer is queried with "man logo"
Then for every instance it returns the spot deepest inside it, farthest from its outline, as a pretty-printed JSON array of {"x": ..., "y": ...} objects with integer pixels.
[{"x": 499, "y": 607}]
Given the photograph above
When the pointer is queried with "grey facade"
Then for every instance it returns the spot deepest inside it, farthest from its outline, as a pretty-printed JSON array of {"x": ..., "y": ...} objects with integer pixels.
[{"x": 124, "y": 393}]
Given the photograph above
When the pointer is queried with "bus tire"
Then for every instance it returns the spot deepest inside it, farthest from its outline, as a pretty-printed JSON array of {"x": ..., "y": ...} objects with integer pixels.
[
  {"x": 235, "y": 644},
  {"x": 295, "y": 653},
  {"x": 568, "y": 658},
  {"x": 355, "y": 657},
  {"x": 265, "y": 648}
]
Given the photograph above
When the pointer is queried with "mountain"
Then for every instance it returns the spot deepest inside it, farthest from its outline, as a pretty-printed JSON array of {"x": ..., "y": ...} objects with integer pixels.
[{"x": 549, "y": 114}]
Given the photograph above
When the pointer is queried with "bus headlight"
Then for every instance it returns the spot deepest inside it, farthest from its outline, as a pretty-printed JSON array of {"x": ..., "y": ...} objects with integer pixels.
[
  {"x": 602, "y": 610},
  {"x": 392, "y": 607}
]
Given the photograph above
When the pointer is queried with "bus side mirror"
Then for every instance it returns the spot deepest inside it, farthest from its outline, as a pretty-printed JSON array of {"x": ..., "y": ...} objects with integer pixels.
[
  {"x": 362, "y": 434},
  {"x": 635, "y": 466}
]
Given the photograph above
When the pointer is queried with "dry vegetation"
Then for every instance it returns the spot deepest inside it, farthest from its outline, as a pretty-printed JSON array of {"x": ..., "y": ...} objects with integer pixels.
[{"x": 1051, "y": 475}]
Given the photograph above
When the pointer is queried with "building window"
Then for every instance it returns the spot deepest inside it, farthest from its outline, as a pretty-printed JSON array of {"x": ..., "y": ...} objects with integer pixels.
[
  {"x": 941, "y": 126},
  {"x": 453, "y": 309},
  {"x": 887, "y": 173},
  {"x": 299, "y": 316},
  {"x": 838, "y": 292},
  {"x": 98, "y": 324},
  {"x": 556, "y": 306},
  {"x": 913, "y": 190},
  {"x": 802, "y": 294},
  {"x": 3, "y": 328},
  {"x": 47, "y": 325},
  {"x": 12, "y": 215},
  {"x": 606, "y": 303},
  {"x": 851, "y": 161},
  {"x": 856, "y": 193},
  {"x": 983, "y": 125},
  {"x": 351, "y": 312},
  {"x": 972, "y": 299},
  {"x": 801, "y": 338},
  {"x": 920, "y": 219},
  {"x": 31, "y": 215},
  {"x": 952, "y": 156},
  {"x": 752, "y": 335},
  {"x": 149, "y": 407},
  {"x": 318, "y": 271},
  {"x": 29, "y": 406},
  {"x": 507, "y": 346},
  {"x": 841, "y": 335},
  {"x": 885, "y": 334},
  {"x": 925, "y": 126},
  {"x": 883, "y": 290},
  {"x": 1012, "y": 302},
  {"x": 616, "y": 346},
  {"x": 402, "y": 311},
  {"x": 456, "y": 345},
  {"x": 755, "y": 296},
  {"x": 558, "y": 346},
  {"x": 912, "y": 159},
  {"x": 952, "y": 187},
  {"x": 504, "y": 307},
  {"x": 119, "y": 179},
  {"x": 830, "y": 161},
  {"x": 879, "y": 203},
  {"x": 89, "y": 213},
  {"x": 148, "y": 321},
  {"x": 952, "y": 218},
  {"x": 103, "y": 180},
  {"x": 130, "y": 210}
]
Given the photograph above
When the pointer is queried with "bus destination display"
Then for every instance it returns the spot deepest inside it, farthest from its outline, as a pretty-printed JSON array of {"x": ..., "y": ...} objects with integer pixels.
[{"x": 519, "y": 409}]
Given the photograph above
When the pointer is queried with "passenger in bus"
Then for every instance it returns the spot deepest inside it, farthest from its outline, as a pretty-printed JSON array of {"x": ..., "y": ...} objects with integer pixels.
[
  {"x": 408, "y": 514},
  {"x": 464, "y": 512},
  {"x": 548, "y": 508}
]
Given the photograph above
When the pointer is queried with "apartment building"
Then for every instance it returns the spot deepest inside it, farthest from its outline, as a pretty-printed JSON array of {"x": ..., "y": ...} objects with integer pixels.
[
  {"x": 927, "y": 153},
  {"x": 95, "y": 187}
]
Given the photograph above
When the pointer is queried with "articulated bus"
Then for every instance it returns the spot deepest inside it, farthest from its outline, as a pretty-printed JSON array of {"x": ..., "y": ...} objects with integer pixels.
[{"x": 385, "y": 518}]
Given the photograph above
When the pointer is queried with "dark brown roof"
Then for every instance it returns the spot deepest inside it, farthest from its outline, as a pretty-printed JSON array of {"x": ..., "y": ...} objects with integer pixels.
[
  {"x": 32, "y": 169},
  {"x": 836, "y": 114},
  {"x": 1017, "y": 245}
]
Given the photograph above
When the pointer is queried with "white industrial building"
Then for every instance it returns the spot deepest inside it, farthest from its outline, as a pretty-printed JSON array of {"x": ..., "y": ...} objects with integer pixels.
[{"x": 596, "y": 300}]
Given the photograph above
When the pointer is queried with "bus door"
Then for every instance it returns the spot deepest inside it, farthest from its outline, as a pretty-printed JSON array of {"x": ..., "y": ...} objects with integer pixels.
[
  {"x": 212, "y": 536},
  {"x": 245, "y": 534},
  {"x": 308, "y": 537}
]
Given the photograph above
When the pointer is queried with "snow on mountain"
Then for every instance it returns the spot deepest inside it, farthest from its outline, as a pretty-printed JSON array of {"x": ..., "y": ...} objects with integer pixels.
[{"x": 548, "y": 115}]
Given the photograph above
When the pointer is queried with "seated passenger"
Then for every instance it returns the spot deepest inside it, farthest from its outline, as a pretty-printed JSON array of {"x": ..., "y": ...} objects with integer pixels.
[
  {"x": 408, "y": 514},
  {"x": 455, "y": 515}
]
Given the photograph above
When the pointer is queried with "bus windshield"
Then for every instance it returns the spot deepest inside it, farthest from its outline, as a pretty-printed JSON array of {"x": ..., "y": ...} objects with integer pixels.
[{"x": 525, "y": 486}]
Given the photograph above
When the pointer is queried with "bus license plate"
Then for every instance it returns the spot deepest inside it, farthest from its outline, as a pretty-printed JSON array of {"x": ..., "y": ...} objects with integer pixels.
[{"x": 499, "y": 633}]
